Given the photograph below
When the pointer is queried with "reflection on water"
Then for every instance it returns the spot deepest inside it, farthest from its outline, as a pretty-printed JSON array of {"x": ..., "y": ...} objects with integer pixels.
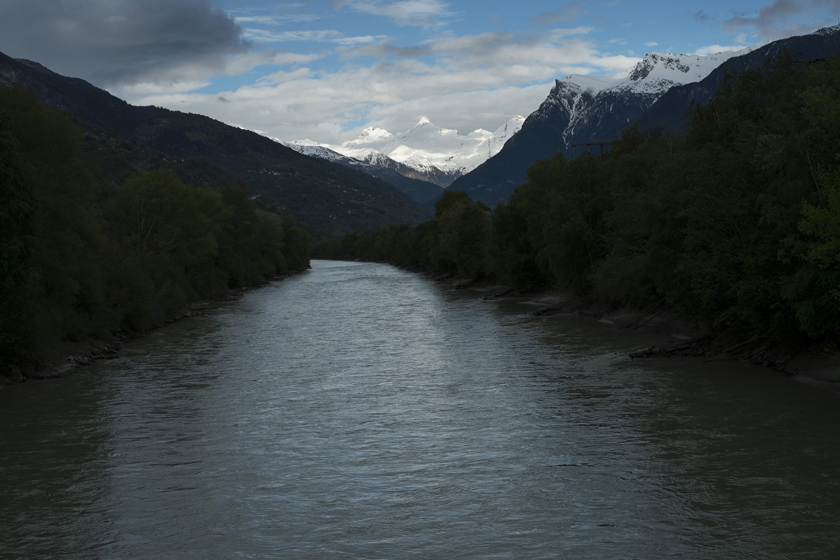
[{"x": 361, "y": 411}]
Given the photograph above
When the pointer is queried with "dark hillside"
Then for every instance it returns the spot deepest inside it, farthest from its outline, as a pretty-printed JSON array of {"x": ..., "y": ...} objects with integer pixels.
[
  {"x": 671, "y": 110},
  {"x": 542, "y": 134},
  {"x": 329, "y": 198}
]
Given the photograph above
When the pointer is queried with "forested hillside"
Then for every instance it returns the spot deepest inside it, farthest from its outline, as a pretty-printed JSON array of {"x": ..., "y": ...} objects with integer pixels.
[
  {"x": 110, "y": 239},
  {"x": 329, "y": 198},
  {"x": 736, "y": 224}
]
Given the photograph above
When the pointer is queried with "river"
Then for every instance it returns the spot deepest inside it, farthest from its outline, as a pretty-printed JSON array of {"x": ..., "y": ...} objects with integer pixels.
[{"x": 361, "y": 411}]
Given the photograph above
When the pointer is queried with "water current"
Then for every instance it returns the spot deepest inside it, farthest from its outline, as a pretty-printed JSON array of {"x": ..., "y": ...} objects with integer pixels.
[{"x": 361, "y": 411}]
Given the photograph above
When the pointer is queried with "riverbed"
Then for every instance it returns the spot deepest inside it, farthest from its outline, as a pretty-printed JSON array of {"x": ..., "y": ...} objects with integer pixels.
[{"x": 362, "y": 411}]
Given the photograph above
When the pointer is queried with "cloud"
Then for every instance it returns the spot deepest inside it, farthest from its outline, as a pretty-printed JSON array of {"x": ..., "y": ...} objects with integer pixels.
[
  {"x": 123, "y": 41},
  {"x": 424, "y": 13},
  {"x": 651, "y": 44},
  {"x": 785, "y": 18},
  {"x": 267, "y": 36},
  {"x": 311, "y": 36},
  {"x": 566, "y": 13},
  {"x": 463, "y": 82},
  {"x": 276, "y": 19},
  {"x": 715, "y": 49},
  {"x": 702, "y": 17}
]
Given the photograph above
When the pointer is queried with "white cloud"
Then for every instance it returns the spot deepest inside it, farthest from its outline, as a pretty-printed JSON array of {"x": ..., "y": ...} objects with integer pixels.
[
  {"x": 277, "y": 19},
  {"x": 266, "y": 36},
  {"x": 406, "y": 12},
  {"x": 714, "y": 49},
  {"x": 463, "y": 82},
  {"x": 651, "y": 44},
  {"x": 309, "y": 36}
]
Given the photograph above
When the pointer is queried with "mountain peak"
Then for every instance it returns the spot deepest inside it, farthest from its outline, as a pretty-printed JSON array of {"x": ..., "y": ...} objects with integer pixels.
[
  {"x": 655, "y": 73},
  {"x": 671, "y": 62},
  {"x": 441, "y": 153},
  {"x": 369, "y": 137},
  {"x": 827, "y": 30}
]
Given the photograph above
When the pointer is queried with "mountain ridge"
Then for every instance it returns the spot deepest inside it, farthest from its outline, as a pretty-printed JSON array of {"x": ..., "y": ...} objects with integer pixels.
[
  {"x": 584, "y": 109},
  {"x": 579, "y": 110},
  {"x": 428, "y": 152},
  {"x": 405, "y": 178},
  {"x": 330, "y": 199},
  {"x": 671, "y": 110}
]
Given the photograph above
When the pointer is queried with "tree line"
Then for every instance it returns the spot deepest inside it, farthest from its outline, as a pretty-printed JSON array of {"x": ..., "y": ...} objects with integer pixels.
[
  {"x": 80, "y": 261},
  {"x": 735, "y": 224}
]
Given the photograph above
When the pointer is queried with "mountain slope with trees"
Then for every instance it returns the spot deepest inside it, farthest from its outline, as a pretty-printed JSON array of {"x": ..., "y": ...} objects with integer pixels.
[
  {"x": 329, "y": 198},
  {"x": 735, "y": 225},
  {"x": 99, "y": 236},
  {"x": 549, "y": 131}
]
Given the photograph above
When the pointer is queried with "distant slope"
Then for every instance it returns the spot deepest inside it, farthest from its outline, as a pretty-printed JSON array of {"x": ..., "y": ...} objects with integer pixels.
[
  {"x": 113, "y": 160},
  {"x": 671, "y": 110},
  {"x": 427, "y": 152},
  {"x": 579, "y": 110},
  {"x": 582, "y": 109},
  {"x": 329, "y": 198},
  {"x": 378, "y": 165}
]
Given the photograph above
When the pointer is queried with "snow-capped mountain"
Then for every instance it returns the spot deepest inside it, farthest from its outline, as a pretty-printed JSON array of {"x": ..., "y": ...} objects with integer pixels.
[
  {"x": 320, "y": 151},
  {"x": 670, "y": 111},
  {"x": 429, "y": 152},
  {"x": 598, "y": 108},
  {"x": 582, "y": 110},
  {"x": 379, "y": 165},
  {"x": 504, "y": 133}
]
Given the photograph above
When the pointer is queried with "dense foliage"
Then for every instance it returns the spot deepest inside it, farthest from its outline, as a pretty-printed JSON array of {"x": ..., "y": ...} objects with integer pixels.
[
  {"x": 80, "y": 261},
  {"x": 736, "y": 225}
]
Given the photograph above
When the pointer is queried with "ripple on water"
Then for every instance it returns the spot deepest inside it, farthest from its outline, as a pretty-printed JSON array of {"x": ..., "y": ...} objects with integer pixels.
[{"x": 361, "y": 411}]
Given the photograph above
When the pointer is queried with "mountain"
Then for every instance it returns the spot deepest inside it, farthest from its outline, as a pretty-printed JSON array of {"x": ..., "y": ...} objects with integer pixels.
[
  {"x": 657, "y": 92},
  {"x": 581, "y": 110},
  {"x": 405, "y": 178},
  {"x": 671, "y": 110},
  {"x": 426, "y": 152},
  {"x": 331, "y": 199}
]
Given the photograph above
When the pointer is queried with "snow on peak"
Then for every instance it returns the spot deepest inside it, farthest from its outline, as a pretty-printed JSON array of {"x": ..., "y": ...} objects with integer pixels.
[
  {"x": 314, "y": 149},
  {"x": 504, "y": 133},
  {"x": 655, "y": 73},
  {"x": 584, "y": 101},
  {"x": 425, "y": 147},
  {"x": 827, "y": 30},
  {"x": 370, "y": 137}
]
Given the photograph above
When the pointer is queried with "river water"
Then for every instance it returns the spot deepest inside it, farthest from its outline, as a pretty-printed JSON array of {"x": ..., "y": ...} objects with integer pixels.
[{"x": 360, "y": 411}]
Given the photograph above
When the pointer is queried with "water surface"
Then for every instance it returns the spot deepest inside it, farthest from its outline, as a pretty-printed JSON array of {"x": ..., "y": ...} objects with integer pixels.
[{"x": 360, "y": 411}]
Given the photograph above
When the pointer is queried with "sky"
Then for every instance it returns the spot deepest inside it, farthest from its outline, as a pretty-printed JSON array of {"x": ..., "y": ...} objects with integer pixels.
[{"x": 325, "y": 69}]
